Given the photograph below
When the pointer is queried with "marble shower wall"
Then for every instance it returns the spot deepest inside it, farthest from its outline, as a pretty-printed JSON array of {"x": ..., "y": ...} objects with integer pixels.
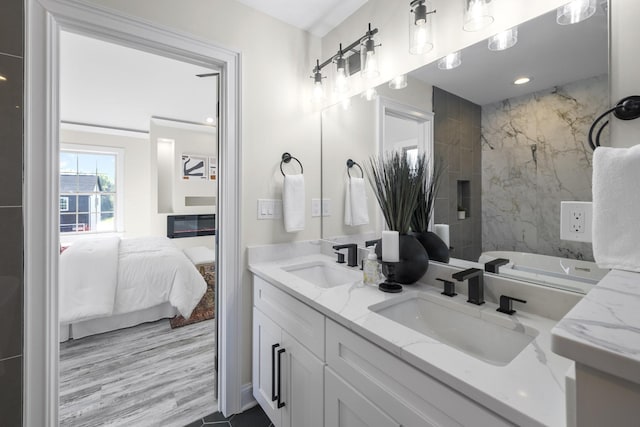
[{"x": 535, "y": 154}]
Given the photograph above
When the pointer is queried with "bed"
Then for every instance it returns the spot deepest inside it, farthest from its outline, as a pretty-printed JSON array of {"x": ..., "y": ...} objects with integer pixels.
[{"x": 112, "y": 283}]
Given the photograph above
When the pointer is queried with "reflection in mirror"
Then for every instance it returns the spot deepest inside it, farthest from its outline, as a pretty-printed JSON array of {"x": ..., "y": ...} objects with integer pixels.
[{"x": 511, "y": 152}]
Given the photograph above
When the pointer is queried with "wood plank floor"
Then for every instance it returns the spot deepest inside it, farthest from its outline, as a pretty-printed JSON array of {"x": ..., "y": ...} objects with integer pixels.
[{"x": 147, "y": 375}]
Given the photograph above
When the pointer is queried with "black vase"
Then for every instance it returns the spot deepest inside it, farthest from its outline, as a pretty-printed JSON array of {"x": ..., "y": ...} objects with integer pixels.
[
  {"x": 433, "y": 244},
  {"x": 414, "y": 260}
]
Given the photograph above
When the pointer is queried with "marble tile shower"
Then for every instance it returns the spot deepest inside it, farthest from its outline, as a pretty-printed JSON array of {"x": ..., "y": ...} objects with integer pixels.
[{"x": 534, "y": 155}]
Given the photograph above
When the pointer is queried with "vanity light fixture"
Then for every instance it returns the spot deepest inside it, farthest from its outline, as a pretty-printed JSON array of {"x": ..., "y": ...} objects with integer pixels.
[
  {"x": 361, "y": 55},
  {"x": 370, "y": 94},
  {"x": 576, "y": 11},
  {"x": 368, "y": 56},
  {"x": 522, "y": 80},
  {"x": 398, "y": 82},
  {"x": 504, "y": 40},
  {"x": 450, "y": 61},
  {"x": 420, "y": 33},
  {"x": 318, "y": 87},
  {"x": 477, "y": 15}
]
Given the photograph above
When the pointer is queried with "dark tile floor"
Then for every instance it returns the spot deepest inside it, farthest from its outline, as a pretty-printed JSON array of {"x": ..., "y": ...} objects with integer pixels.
[{"x": 254, "y": 417}]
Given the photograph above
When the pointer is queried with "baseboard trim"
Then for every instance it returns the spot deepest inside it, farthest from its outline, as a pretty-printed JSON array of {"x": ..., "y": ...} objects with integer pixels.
[{"x": 247, "y": 401}]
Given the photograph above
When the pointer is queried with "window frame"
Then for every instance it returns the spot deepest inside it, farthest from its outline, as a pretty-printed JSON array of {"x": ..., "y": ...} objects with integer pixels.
[{"x": 119, "y": 187}]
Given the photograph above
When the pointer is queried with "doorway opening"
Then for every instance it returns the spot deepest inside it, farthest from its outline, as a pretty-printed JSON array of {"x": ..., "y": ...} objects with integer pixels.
[{"x": 139, "y": 136}]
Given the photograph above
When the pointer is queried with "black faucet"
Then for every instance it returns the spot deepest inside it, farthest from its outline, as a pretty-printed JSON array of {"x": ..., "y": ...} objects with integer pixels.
[
  {"x": 368, "y": 243},
  {"x": 352, "y": 253},
  {"x": 505, "y": 304},
  {"x": 493, "y": 265},
  {"x": 476, "y": 284}
]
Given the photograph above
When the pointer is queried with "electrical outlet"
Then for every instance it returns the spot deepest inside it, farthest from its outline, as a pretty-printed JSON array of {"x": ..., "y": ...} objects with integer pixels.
[{"x": 575, "y": 221}]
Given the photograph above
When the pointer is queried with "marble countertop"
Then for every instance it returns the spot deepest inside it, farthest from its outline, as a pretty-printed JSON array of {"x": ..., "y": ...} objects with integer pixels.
[
  {"x": 529, "y": 391},
  {"x": 603, "y": 330}
]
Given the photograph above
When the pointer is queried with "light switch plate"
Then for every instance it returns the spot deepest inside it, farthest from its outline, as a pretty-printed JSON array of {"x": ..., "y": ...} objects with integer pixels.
[
  {"x": 316, "y": 209},
  {"x": 269, "y": 209},
  {"x": 576, "y": 221},
  {"x": 326, "y": 207}
]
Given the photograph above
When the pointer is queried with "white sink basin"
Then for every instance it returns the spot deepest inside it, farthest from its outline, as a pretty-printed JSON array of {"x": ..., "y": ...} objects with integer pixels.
[
  {"x": 486, "y": 337},
  {"x": 324, "y": 274}
]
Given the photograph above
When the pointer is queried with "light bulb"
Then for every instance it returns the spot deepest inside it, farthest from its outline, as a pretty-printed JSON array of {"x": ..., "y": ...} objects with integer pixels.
[
  {"x": 450, "y": 61},
  {"x": 576, "y": 11},
  {"x": 318, "y": 91},
  {"x": 398, "y": 82},
  {"x": 369, "y": 58},
  {"x": 504, "y": 40},
  {"x": 341, "y": 79},
  {"x": 476, "y": 15},
  {"x": 370, "y": 94}
]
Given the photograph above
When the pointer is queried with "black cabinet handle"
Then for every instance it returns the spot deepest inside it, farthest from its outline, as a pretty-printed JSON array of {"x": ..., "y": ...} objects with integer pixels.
[
  {"x": 273, "y": 372},
  {"x": 280, "y": 402}
]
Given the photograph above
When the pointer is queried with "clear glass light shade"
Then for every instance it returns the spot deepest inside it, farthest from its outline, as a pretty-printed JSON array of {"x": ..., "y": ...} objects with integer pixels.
[
  {"x": 420, "y": 33},
  {"x": 477, "y": 15},
  {"x": 341, "y": 77},
  {"x": 504, "y": 40},
  {"x": 576, "y": 11},
  {"x": 369, "y": 59},
  {"x": 318, "y": 92},
  {"x": 450, "y": 61},
  {"x": 398, "y": 82},
  {"x": 370, "y": 94}
]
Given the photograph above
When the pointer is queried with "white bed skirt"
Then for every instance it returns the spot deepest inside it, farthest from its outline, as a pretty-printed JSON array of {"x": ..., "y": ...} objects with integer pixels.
[{"x": 119, "y": 321}]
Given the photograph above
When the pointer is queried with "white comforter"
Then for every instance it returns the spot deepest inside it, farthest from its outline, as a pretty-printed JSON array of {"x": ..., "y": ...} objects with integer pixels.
[{"x": 101, "y": 277}]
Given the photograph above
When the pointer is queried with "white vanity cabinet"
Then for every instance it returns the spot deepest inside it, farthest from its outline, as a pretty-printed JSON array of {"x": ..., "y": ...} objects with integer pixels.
[
  {"x": 359, "y": 385},
  {"x": 288, "y": 377}
]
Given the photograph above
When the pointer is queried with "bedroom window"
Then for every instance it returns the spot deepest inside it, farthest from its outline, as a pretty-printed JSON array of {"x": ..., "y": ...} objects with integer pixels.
[{"x": 88, "y": 191}]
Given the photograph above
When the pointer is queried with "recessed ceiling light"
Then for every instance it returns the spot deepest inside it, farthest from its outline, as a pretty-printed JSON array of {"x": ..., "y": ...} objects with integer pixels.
[
  {"x": 522, "y": 80},
  {"x": 210, "y": 120},
  {"x": 3, "y": 78}
]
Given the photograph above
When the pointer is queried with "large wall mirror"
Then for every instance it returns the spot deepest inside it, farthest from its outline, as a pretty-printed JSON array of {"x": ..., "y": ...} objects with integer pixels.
[{"x": 510, "y": 152}]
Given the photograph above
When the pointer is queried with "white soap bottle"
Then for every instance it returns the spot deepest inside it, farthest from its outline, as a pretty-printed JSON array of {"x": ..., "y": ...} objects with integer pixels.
[{"x": 371, "y": 270}]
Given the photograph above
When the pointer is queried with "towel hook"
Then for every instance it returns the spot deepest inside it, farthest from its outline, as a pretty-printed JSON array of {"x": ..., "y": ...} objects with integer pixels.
[
  {"x": 286, "y": 158},
  {"x": 626, "y": 109},
  {"x": 350, "y": 164}
]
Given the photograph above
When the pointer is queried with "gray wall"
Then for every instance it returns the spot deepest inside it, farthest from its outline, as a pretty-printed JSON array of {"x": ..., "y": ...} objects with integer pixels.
[
  {"x": 457, "y": 145},
  {"x": 534, "y": 155},
  {"x": 11, "y": 269}
]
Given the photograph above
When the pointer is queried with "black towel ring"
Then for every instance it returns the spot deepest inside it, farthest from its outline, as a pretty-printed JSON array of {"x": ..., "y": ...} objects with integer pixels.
[
  {"x": 626, "y": 109},
  {"x": 286, "y": 158},
  {"x": 350, "y": 164}
]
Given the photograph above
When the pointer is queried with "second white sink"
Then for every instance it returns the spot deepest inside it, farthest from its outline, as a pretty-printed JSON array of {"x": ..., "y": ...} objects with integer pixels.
[
  {"x": 485, "y": 337},
  {"x": 324, "y": 274}
]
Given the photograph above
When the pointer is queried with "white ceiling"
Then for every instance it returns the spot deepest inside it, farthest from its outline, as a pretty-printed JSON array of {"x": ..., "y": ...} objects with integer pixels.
[
  {"x": 110, "y": 85},
  {"x": 316, "y": 16},
  {"x": 549, "y": 53}
]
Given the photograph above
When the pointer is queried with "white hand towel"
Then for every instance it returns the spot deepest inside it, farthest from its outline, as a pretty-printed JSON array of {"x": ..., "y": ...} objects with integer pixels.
[
  {"x": 356, "y": 211},
  {"x": 293, "y": 200},
  {"x": 616, "y": 203}
]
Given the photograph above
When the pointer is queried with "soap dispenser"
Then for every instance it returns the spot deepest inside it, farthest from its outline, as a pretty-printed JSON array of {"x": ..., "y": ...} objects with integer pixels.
[{"x": 372, "y": 271}]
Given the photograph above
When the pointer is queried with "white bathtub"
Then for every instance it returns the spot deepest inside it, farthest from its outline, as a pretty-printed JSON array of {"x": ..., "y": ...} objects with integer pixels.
[{"x": 562, "y": 272}]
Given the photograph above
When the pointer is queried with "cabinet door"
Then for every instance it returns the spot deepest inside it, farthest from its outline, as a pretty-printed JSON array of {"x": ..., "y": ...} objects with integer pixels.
[
  {"x": 304, "y": 386},
  {"x": 266, "y": 343},
  {"x": 346, "y": 407}
]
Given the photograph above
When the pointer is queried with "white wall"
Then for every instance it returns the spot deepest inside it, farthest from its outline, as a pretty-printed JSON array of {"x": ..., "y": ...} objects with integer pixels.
[
  {"x": 136, "y": 174},
  {"x": 625, "y": 79},
  {"x": 276, "y": 114}
]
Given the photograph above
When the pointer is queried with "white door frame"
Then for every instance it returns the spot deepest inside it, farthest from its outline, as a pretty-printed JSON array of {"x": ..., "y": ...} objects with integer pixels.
[{"x": 44, "y": 21}]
